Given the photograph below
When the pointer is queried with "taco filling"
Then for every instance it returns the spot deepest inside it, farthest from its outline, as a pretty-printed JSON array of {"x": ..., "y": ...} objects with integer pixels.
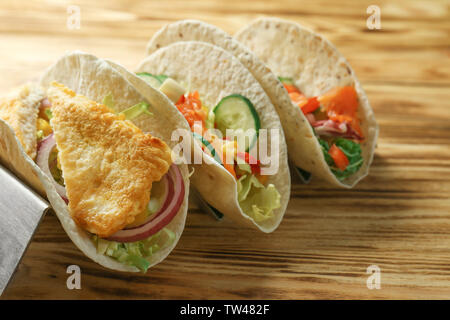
[
  {"x": 334, "y": 119},
  {"x": 234, "y": 113},
  {"x": 135, "y": 226}
]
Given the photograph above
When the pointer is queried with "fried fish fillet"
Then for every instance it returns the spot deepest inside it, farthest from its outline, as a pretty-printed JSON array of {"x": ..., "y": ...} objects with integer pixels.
[
  {"x": 108, "y": 163},
  {"x": 20, "y": 110}
]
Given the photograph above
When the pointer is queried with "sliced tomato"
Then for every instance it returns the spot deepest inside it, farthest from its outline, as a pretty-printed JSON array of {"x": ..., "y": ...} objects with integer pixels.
[
  {"x": 339, "y": 157},
  {"x": 181, "y": 100},
  {"x": 255, "y": 164},
  {"x": 307, "y": 105},
  {"x": 311, "y": 105}
]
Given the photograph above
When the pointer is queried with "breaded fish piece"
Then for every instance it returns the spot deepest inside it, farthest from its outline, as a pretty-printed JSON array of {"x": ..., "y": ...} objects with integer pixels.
[
  {"x": 20, "y": 110},
  {"x": 108, "y": 163}
]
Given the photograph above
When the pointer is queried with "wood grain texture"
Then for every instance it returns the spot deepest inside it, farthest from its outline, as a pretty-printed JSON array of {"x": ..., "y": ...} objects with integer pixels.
[{"x": 397, "y": 218}]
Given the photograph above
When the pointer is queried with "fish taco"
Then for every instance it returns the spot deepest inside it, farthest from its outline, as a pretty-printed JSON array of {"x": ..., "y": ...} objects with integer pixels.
[
  {"x": 338, "y": 148},
  {"x": 232, "y": 120},
  {"x": 101, "y": 150},
  {"x": 323, "y": 86}
]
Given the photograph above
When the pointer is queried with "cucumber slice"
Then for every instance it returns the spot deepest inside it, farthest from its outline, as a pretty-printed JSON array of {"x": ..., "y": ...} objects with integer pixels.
[
  {"x": 152, "y": 80},
  {"x": 208, "y": 146},
  {"x": 161, "y": 77},
  {"x": 237, "y": 112}
]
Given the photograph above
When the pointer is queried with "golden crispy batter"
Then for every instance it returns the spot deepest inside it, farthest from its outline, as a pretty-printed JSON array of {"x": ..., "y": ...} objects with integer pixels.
[
  {"x": 20, "y": 110},
  {"x": 108, "y": 163}
]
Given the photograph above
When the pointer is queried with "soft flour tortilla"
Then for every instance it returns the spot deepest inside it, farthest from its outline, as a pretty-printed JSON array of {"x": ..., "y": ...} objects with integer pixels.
[
  {"x": 316, "y": 66},
  {"x": 292, "y": 119},
  {"x": 215, "y": 73},
  {"x": 20, "y": 110},
  {"x": 18, "y": 114},
  {"x": 96, "y": 78},
  {"x": 304, "y": 150}
]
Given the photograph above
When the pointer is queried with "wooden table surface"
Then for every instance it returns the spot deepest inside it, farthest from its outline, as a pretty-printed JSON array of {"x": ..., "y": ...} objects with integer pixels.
[{"x": 397, "y": 218}]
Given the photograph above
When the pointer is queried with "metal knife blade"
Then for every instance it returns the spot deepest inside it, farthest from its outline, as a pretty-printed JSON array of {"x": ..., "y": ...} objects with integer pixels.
[{"x": 21, "y": 210}]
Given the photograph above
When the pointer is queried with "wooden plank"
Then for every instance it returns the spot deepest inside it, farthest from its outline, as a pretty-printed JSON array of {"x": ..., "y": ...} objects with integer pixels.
[
  {"x": 397, "y": 218},
  {"x": 410, "y": 32}
]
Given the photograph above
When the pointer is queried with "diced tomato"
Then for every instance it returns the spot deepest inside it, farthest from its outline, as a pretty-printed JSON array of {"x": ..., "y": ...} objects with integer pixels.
[
  {"x": 341, "y": 104},
  {"x": 339, "y": 157},
  {"x": 310, "y": 106},
  {"x": 307, "y": 105},
  {"x": 255, "y": 164},
  {"x": 191, "y": 108},
  {"x": 181, "y": 100}
]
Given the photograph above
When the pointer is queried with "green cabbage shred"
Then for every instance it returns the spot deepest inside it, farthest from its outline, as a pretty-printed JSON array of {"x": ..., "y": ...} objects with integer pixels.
[
  {"x": 257, "y": 201},
  {"x": 137, "y": 253}
]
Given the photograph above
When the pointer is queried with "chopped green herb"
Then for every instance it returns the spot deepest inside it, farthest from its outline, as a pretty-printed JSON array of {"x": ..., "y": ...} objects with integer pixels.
[{"x": 353, "y": 152}]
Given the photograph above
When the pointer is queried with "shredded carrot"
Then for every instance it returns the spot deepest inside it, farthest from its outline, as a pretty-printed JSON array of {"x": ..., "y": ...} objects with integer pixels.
[
  {"x": 291, "y": 88},
  {"x": 341, "y": 104},
  {"x": 230, "y": 169},
  {"x": 191, "y": 108}
]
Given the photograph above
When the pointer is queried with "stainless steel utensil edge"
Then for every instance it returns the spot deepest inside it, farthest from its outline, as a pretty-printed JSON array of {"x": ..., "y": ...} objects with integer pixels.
[{"x": 21, "y": 211}]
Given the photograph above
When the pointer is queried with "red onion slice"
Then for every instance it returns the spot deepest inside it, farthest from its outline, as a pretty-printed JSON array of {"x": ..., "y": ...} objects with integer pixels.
[
  {"x": 336, "y": 129},
  {"x": 311, "y": 118},
  {"x": 174, "y": 197},
  {"x": 45, "y": 148},
  {"x": 162, "y": 218}
]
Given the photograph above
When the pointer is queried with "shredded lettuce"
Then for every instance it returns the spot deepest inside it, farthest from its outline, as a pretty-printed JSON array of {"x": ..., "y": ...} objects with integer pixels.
[
  {"x": 256, "y": 200},
  {"x": 108, "y": 101},
  {"x": 353, "y": 152},
  {"x": 245, "y": 183},
  {"x": 136, "y": 253},
  {"x": 130, "y": 113},
  {"x": 136, "y": 110}
]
